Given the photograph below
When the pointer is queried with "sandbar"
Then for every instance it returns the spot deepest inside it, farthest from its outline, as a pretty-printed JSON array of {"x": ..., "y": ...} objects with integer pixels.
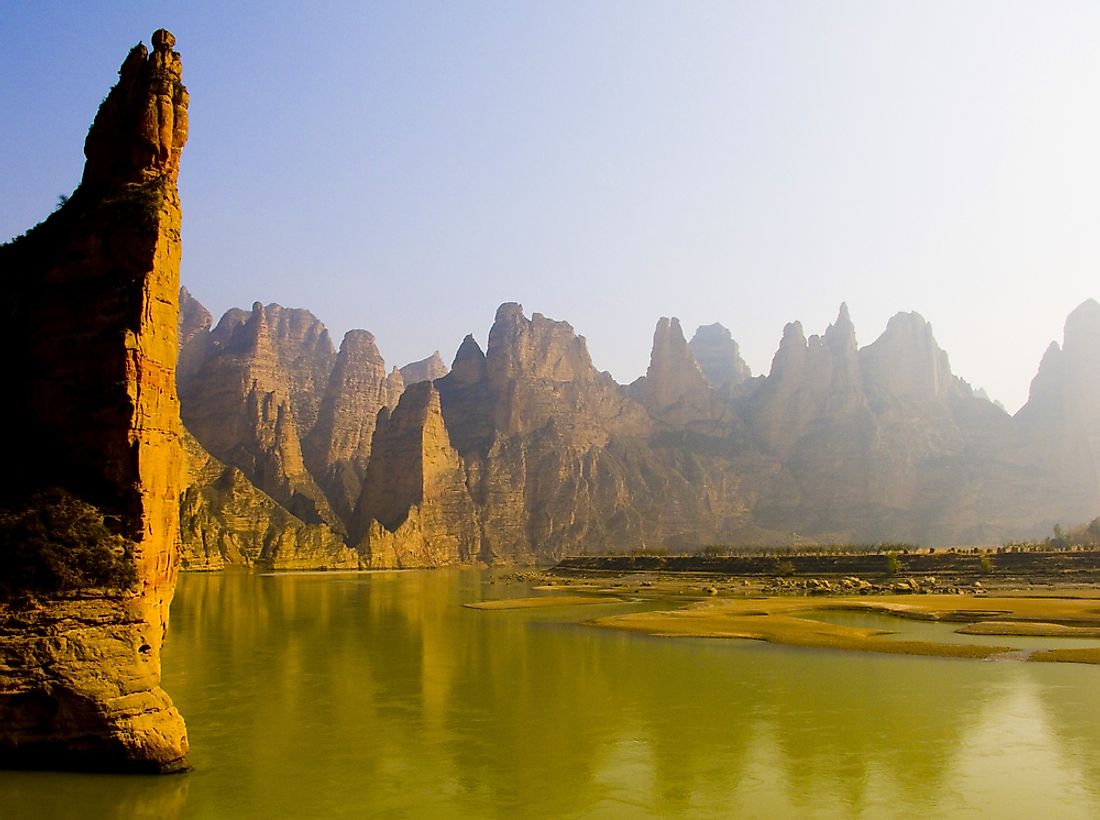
[
  {"x": 543, "y": 601},
  {"x": 778, "y": 620}
]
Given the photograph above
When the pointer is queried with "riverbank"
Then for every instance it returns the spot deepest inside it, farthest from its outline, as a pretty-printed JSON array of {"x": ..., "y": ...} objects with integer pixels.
[
  {"x": 860, "y": 571},
  {"x": 1029, "y": 595}
]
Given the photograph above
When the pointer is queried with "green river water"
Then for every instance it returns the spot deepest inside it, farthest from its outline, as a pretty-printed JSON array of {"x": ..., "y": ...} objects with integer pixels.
[{"x": 379, "y": 695}]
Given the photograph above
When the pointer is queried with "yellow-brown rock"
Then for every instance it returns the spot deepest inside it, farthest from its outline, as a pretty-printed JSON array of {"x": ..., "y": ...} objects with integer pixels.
[
  {"x": 338, "y": 447},
  {"x": 415, "y": 510},
  {"x": 559, "y": 458},
  {"x": 195, "y": 339},
  {"x": 256, "y": 394},
  {"x": 226, "y": 521},
  {"x": 424, "y": 370},
  {"x": 90, "y": 302},
  {"x": 674, "y": 390}
]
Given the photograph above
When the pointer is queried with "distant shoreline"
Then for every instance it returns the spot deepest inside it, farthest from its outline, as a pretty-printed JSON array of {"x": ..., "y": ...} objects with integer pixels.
[{"x": 941, "y": 570}]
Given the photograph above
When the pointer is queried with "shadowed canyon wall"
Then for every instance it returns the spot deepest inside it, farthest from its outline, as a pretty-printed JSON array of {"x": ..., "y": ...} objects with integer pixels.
[{"x": 90, "y": 493}]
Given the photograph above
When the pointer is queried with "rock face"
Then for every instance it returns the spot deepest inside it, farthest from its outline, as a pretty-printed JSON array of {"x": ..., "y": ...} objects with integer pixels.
[
  {"x": 90, "y": 338},
  {"x": 719, "y": 357},
  {"x": 415, "y": 510},
  {"x": 339, "y": 444},
  {"x": 674, "y": 389},
  {"x": 1060, "y": 424},
  {"x": 524, "y": 452},
  {"x": 425, "y": 370},
  {"x": 255, "y": 395},
  {"x": 557, "y": 455},
  {"x": 226, "y": 521}
]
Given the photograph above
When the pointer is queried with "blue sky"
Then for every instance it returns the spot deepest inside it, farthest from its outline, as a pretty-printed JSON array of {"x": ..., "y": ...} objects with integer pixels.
[{"x": 405, "y": 167}]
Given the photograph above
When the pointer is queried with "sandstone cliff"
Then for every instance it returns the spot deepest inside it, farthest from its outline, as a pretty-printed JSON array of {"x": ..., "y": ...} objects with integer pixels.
[
  {"x": 719, "y": 357},
  {"x": 1060, "y": 424},
  {"x": 90, "y": 311},
  {"x": 558, "y": 457},
  {"x": 226, "y": 521},
  {"x": 255, "y": 395},
  {"x": 415, "y": 510},
  {"x": 544, "y": 455},
  {"x": 424, "y": 370},
  {"x": 674, "y": 389},
  {"x": 339, "y": 445}
]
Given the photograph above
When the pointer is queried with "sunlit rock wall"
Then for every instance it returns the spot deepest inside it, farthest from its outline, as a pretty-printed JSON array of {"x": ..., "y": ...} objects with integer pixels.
[{"x": 90, "y": 309}]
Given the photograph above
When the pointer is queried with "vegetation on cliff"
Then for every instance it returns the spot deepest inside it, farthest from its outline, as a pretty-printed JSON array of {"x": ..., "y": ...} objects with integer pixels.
[{"x": 56, "y": 542}]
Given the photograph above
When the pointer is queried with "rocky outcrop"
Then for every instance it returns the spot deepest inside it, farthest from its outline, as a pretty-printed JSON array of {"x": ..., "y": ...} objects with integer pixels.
[
  {"x": 425, "y": 370},
  {"x": 1060, "y": 424},
  {"x": 719, "y": 357},
  {"x": 415, "y": 509},
  {"x": 674, "y": 389},
  {"x": 90, "y": 309},
  {"x": 813, "y": 382},
  {"x": 226, "y": 521},
  {"x": 339, "y": 444},
  {"x": 395, "y": 386},
  {"x": 195, "y": 339},
  {"x": 255, "y": 395},
  {"x": 905, "y": 363},
  {"x": 546, "y": 456},
  {"x": 556, "y": 455}
]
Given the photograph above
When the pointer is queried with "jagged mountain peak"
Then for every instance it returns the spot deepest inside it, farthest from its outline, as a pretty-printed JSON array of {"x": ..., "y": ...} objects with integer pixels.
[
  {"x": 905, "y": 361},
  {"x": 468, "y": 366},
  {"x": 673, "y": 375},
  {"x": 357, "y": 338},
  {"x": 719, "y": 356},
  {"x": 842, "y": 331},
  {"x": 423, "y": 370},
  {"x": 538, "y": 347},
  {"x": 1082, "y": 328}
]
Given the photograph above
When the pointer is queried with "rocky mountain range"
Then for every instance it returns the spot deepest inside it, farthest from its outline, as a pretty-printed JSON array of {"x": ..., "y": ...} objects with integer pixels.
[{"x": 524, "y": 452}]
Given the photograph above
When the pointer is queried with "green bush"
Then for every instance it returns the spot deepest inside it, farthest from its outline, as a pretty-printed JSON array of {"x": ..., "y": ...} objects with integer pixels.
[
  {"x": 893, "y": 563},
  {"x": 56, "y": 542}
]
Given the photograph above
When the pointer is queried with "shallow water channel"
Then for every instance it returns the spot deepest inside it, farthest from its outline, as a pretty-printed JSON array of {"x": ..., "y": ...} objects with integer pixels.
[{"x": 379, "y": 695}]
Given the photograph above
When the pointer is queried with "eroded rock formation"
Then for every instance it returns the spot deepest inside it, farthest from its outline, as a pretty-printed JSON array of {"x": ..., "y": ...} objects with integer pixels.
[
  {"x": 719, "y": 357},
  {"x": 415, "y": 509},
  {"x": 226, "y": 521},
  {"x": 528, "y": 453},
  {"x": 424, "y": 370},
  {"x": 90, "y": 311},
  {"x": 1060, "y": 424},
  {"x": 339, "y": 444},
  {"x": 255, "y": 395}
]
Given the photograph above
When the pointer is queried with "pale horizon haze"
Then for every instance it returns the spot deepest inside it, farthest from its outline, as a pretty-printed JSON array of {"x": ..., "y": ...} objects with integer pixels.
[{"x": 406, "y": 167}]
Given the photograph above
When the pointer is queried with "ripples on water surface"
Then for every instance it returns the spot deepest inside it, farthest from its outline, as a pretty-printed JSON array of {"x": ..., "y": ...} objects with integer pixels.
[{"x": 379, "y": 695}]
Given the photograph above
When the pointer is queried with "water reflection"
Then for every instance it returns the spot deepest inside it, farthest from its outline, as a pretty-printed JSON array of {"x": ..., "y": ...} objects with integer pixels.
[{"x": 342, "y": 695}]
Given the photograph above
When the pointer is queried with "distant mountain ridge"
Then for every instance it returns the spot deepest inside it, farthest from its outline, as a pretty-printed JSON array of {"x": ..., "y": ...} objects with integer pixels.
[{"x": 524, "y": 452}]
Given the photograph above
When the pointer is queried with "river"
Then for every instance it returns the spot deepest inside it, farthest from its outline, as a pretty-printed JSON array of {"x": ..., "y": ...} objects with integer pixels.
[{"x": 379, "y": 695}]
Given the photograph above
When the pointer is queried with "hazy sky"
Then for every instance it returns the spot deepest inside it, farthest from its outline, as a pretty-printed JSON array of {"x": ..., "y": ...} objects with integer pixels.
[{"x": 405, "y": 167}]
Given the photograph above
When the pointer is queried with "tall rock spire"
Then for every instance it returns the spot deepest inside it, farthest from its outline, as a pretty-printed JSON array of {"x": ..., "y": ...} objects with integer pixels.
[
  {"x": 89, "y": 330},
  {"x": 139, "y": 131}
]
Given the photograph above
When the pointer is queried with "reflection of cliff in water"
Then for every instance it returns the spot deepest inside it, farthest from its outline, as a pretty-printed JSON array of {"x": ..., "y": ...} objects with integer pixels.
[
  {"x": 382, "y": 690},
  {"x": 1072, "y": 715}
]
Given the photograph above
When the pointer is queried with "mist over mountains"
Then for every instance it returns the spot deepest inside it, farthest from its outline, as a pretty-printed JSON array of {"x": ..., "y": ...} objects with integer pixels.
[{"x": 524, "y": 452}]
